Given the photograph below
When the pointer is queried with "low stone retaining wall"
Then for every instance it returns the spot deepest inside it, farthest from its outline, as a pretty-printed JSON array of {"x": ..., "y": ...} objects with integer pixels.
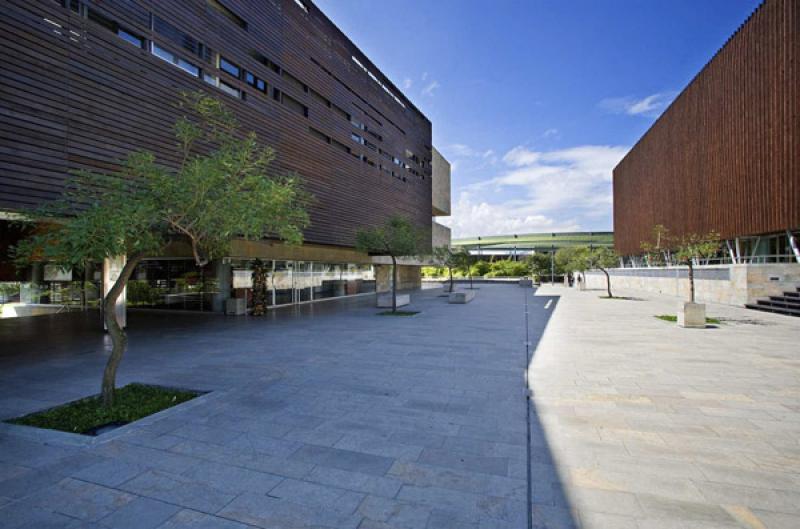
[{"x": 727, "y": 284}]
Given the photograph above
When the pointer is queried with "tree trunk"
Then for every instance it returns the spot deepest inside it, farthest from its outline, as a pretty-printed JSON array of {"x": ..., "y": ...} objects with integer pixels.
[
  {"x": 691, "y": 281},
  {"x": 394, "y": 284},
  {"x": 119, "y": 339},
  {"x": 608, "y": 282},
  {"x": 470, "y": 279},
  {"x": 451, "y": 278}
]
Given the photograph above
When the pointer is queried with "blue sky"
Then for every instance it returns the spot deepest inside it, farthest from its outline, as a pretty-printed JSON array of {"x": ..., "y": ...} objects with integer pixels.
[{"x": 534, "y": 102}]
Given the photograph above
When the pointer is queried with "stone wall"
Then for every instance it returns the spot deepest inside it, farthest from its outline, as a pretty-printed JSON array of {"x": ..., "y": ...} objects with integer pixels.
[
  {"x": 410, "y": 277},
  {"x": 727, "y": 284}
]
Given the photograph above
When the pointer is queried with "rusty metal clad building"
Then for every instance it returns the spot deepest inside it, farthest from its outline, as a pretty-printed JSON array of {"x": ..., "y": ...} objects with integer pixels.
[{"x": 725, "y": 156}]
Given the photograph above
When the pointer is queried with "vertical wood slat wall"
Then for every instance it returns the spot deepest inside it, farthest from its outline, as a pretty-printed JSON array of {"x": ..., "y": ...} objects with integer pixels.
[
  {"x": 74, "y": 95},
  {"x": 725, "y": 156}
]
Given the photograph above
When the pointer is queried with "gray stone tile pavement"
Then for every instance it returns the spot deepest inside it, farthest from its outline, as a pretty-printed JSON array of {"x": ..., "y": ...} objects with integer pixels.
[
  {"x": 324, "y": 417},
  {"x": 653, "y": 426}
]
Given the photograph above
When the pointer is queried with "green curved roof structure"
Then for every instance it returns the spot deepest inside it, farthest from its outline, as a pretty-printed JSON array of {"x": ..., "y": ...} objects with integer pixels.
[{"x": 541, "y": 242}]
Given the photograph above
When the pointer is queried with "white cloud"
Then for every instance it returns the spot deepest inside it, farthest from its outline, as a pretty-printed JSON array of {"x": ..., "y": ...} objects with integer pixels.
[
  {"x": 650, "y": 106},
  {"x": 551, "y": 133},
  {"x": 560, "y": 190},
  {"x": 473, "y": 216},
  {"x": 407, "y": 83},
  {"x": 430, "y": 87}
]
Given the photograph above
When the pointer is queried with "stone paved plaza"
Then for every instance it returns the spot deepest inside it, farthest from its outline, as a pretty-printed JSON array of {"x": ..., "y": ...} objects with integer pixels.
[
  {"x": 329, "y": 417},
  {"x": 656, "y": 427}
]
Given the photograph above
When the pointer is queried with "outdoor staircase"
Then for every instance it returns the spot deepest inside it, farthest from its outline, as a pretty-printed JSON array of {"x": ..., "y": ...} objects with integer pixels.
[{"x": 788, "y": 303}]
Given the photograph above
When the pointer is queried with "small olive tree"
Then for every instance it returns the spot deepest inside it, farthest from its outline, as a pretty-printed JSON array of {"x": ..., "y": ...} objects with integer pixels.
[
  {"x": 574, "y": 259},
  {"x": 464, "y": 261},
  {"x": 446, "y": 257},
  {"x": 689, "y": 249},
  {"x": 603, "y": 258},
  {"x": 397, "y": 238},
  {"x": 540, "y": 264},
  {"x": 657, "y": 252},
  {"x": 221, "y": 190}
]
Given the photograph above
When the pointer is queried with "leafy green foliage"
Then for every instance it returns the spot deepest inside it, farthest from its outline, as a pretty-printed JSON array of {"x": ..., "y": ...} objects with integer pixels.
[
  {"x": 398, "y": 237},
  {"x": 132, "y": 402},
  {"x": 540, "y": 265},
  {"x": 508, "y": 268},
  {"x": 694, "y": 247},
  {"x": 480, "y": 268},
  {"x": 573, "y": 259}
]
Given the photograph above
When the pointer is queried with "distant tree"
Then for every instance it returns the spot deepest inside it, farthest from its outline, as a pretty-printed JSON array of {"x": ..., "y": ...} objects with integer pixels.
[
  {"x": 445, "y": 257},
  {"x": 480, "y": 268},
  {"x": 657, "y": 251},
  {"x": 689, "y": 249},
  {"x": 213, "y": 197},
  {"x": 603, "y": 258},
  {"x": 574, "y": 259},
  {"x": 540, "y": 265},
  {"x": 397, "y": 238},
  {"x": 463, "y": 263}
]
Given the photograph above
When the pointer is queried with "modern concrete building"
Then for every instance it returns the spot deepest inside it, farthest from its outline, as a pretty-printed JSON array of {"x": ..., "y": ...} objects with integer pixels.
[
  {"x": 83, "y": 83},
  {"x": 725, "y": 157}
]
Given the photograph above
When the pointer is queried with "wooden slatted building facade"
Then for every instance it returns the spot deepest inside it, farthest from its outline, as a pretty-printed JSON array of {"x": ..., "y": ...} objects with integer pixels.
[
  {"x": 725, "y": 156},
  {"x": 82, "y": 83}
]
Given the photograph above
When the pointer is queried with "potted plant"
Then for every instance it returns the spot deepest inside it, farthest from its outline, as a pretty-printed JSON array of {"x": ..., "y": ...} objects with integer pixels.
[{"x": 689, "y": 250}]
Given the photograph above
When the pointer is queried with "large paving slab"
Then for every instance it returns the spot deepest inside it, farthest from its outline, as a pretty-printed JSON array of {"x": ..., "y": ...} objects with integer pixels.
[
  {"x": 653, "y": 426},
  {"x": 325, "y": 416}
]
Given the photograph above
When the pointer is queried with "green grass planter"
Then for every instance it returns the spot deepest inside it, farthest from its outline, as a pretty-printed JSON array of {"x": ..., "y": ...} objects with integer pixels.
[{"x": 86, "y": 416}]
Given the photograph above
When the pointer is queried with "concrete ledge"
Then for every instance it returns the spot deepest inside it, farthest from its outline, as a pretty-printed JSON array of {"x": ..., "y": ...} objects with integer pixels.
[
  {"x": 463, "y": 296},
  {"x": 385, "y": 300},
  {"x": 526, "y": 283}
]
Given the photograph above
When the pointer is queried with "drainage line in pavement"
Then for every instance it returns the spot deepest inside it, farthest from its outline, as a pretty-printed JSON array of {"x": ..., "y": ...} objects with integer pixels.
[{"x": 528, "y": 411}]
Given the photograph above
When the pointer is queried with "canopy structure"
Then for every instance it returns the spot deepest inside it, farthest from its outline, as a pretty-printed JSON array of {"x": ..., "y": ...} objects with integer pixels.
[{"x": 530, "y": 243}]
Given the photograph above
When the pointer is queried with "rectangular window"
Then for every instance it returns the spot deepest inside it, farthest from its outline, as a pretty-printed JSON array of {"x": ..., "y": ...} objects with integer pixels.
[
  {"x": 130, "y": 37},
  {"x": 276, "y": 94},
  {"x": 371, "y": 146},
  {"x": 319, "y": 97},
  {"x": 179, "y": 38},
  {"x": 294, "y": 81},
  {"x": 261, "y": 85},
  {"x": 356, "y": 138},
  {"x": 340, "y": 111},
  {"x": 294, "y": 104},
  {"x": 357, "y": 124},
  {"x": 231, "y": 90},
  {"x": 227, "y": 13},
  {"x": 213, "y": 80},
  {"x": 173, "y": 59},
  {"x": 319, "y": 135},
  {"x": 341, "y": 146},
  {"x": 265, "y": 61},
  {"x": 161, "y": 53},
  {"x": 228, "y": 67}
]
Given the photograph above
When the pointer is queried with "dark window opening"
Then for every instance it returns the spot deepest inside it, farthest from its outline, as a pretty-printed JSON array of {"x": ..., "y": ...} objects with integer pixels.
[
  {"x": 319, "y": 97},
  {"x": 104, "y": 21},
  {"x": 276, "y": 94},
  {"x": 319, "y": 135},
  {"x": 294, "y": 81},
  {"x": 219, "y": 7},
  {"x": 178, "y": 37},
  {"x": 265, "y": 61},
  {"x": 294, "y": 104},
  {"x": 341, "y": 146},
  {"x": 339, "y": 110}
]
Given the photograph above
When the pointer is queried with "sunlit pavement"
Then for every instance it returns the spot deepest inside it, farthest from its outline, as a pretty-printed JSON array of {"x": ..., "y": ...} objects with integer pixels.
[{"x": 654, "y": 426}]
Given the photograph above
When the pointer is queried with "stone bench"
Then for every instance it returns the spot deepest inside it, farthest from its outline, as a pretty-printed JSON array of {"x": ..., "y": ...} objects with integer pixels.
[
  {"x": 385, "y": 300},
  {"x": 462, "y": 296}
]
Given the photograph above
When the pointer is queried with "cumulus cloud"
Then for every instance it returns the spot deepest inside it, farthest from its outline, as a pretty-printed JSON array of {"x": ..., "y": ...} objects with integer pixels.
[
  {"x": 559, "y": 190},
  {"x": 650, "y": 106},
  {"x": 473, "y": 215}
]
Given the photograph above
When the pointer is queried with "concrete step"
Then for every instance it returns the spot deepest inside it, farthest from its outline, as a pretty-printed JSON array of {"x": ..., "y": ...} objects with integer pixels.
[
  {"x": 773, "y": 308},
  {"x": 786, "y": 300}
]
